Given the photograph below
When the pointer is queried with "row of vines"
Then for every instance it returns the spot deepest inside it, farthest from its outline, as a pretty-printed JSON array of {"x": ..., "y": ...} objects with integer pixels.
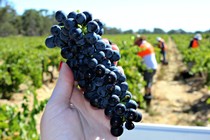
[{"x": 197, "y": 60}]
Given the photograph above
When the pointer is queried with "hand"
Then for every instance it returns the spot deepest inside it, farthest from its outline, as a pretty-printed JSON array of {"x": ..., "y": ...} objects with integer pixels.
[{"x": 68, "y": 116}]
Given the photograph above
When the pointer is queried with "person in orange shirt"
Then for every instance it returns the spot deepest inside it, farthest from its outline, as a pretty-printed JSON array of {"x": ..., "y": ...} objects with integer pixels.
[
  {"x": 147, "y": 53},
  {"x": 194, "y": 43},
  {"x": 161, "y": 44}
]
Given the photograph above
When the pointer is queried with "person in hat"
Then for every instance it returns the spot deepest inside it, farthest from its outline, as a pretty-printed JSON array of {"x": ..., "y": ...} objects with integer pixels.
[
  {"x": 194, "y": 43},
  {"x": 147, "y": 53},
  {"x": 161, "y": 44}
]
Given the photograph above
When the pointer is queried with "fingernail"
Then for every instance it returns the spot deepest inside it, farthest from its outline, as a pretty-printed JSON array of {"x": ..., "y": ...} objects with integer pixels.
[{"x": 60, "y": 65}]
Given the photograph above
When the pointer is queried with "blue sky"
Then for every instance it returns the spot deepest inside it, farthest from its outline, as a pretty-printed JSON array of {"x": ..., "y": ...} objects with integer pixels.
[{"x": 189, "y": 15}]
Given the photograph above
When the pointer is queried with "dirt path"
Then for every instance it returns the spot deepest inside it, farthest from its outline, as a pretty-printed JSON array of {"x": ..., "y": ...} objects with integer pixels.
[{"x": 173, "y": 100}]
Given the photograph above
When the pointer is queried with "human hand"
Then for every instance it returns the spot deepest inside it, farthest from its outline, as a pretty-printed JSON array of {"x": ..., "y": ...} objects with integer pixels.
[{"x": 68, "y": 116}]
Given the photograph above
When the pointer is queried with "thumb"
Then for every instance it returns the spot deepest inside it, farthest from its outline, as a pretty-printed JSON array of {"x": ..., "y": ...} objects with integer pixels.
[{"x": 63, "y": 90}]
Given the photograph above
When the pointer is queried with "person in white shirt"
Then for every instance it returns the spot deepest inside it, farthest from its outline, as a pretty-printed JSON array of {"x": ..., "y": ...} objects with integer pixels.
[{"x": 147, "y": 53}]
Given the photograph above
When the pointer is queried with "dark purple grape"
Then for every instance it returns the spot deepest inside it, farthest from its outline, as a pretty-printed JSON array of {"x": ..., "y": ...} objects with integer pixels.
[
  {"x": 100, "y": 70},
  {"x": 101, "y": 31},
  {"x": 111, "y": 78},
  {"x": 116, "y": 121},
  {"x": 103, "y": 103},
  {"x": 131, "y": 104},
  {"x": 109, "y": 111},
  {"x": 117, "y": 90},
  {"x": 70, "y": 23},
  {"x": 65, "y": 31},
  {"x": 55, "y": 30},
  {"x": 106, "y": 62},
  {"x": 95, "y": 102},
  {"x": 59, "y": 43},
  {"x": 115, "y": 56},
  {"x": 60, "y": 16},
  {"x": 90, "y": 95},
  {"x": 114, "y": 100},
  {"x": 71, "y": 43},
  {"x": 90, "y": 50},
  {"x": 72, "y": 15},
  {"x": 120, "y": 77},
  {"x": 80, "y": 42},
  {"x": 99, "y": 81},
  {"x": 117, "y": 131},
  {"x": 110, "y": 88},
  {"x": 92, "y": 26},
  {"x": 123, "y": 86},
  {"x": 139, "y": 117},
  {"x": 102, "y": 91},
  {"x": 120, "y": 109},
  {"x": 63, "y": 37},
  {"x": 91, "y": 38},
  {"x": 66, "y": 53},
  {"x": 74, "y": 49},
  {"x": 88, "y": 16},
  {"x": 131, "y": 114},
  {"x": 129, "y": 125},
  {"x": 81, "y": 61},
  {"x": 80, "y": 18},
  {"x": 75, "y": 33},
  {"x": 49, "y": 42},
  {"x": 100, "y": 56},
  {"x": 89, "y": 75},
  {"x": 108, "y": 52},
  {"x": 89, "y": 87},
  {"x": 100, "y": 23},
  {"x": 73, "y": 64},
  {"x": 127, "y": 96},
  {"x": 100, "y": 45}
]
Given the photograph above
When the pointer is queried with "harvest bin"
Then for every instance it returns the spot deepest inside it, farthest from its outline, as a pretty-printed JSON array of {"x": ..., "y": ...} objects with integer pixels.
[{"x": 145, "y": 131}]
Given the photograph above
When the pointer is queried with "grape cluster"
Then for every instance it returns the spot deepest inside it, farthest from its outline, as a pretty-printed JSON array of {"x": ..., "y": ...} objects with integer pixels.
[{"x": 93, "y": 62}]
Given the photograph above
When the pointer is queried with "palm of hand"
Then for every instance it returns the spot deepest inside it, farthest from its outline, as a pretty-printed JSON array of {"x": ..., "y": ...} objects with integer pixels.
[{"x": 78, "y": 122}]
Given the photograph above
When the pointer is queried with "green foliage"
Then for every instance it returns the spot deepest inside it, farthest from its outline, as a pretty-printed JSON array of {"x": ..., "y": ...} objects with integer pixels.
[
  {"x": 19, "y": 123},
  {"x": 24, "y": 61},
  {"x": 198, "y": 60}
]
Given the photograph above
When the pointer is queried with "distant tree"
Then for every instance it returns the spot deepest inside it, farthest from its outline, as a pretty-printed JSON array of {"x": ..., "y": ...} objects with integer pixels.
[
  {"x": 111, "y": 30},
  {"x": 8, "y": 18},
  {"x": 128, "y": 32},
  {"x": 158, "y": 31},
  {"x": 32, "y": 22},
  {"x": 143, "y": 31},
  {"x": 179, "y": 31},
  {"x": 48, "y": 21}
]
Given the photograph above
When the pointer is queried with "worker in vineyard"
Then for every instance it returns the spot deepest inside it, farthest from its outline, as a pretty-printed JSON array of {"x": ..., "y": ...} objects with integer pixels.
[
  {"x": 147, "y": 53},
  {"x": 194, "y": 43},
  {"x": 161, "y": 44}
]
